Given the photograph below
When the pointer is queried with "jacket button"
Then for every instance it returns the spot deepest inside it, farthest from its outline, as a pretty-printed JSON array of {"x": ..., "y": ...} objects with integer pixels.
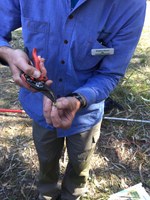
[
  {"x": 70, "y": 16},
  {"x": 66, "y": 41},
  {"x": 60, "y": 80},
  {"x": 62, "y": 62}
]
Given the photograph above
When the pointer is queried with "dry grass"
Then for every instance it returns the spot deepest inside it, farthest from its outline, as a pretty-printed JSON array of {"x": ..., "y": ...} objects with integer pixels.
[{"x": 122, "y": 157}]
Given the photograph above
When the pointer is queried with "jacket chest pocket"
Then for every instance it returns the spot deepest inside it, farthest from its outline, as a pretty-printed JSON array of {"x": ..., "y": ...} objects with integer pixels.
[{"x": 35, "y": 34}]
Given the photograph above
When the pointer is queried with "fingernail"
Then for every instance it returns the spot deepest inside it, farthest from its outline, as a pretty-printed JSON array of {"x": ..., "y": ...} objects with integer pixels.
[{"x": 36, "y": 74}]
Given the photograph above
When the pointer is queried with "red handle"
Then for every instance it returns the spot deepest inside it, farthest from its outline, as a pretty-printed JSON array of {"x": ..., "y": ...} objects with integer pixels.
[
  {"x": 5, "y": 110},
  {"x": 36, "y": 61}
]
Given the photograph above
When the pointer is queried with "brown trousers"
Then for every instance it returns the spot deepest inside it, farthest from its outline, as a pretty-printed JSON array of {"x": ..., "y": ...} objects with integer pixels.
[{"x": 80, "y": 148}]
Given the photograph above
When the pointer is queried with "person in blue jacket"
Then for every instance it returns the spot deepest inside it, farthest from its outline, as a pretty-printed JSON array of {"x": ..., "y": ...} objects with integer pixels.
[{"x": 87, "y": 46}]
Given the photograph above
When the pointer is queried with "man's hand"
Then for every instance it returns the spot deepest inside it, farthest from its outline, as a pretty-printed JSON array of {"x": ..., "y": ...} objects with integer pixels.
[
  {"x": 18, "y": 62},
  {"x": 61, "y": 115}
]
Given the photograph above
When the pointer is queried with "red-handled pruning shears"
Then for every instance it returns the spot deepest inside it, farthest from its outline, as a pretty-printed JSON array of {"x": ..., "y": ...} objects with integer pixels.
[{"x": 39, "y": 83}]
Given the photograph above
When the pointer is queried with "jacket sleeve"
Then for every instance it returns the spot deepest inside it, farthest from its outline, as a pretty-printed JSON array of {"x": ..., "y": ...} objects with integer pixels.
[
  {"x": 112, "y": 68},
  {"x": 10, "y": 20}
]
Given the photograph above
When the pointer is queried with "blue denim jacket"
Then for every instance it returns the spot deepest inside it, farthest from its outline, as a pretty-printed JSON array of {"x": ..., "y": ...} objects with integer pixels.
[{"x": 65, "y": 37}]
